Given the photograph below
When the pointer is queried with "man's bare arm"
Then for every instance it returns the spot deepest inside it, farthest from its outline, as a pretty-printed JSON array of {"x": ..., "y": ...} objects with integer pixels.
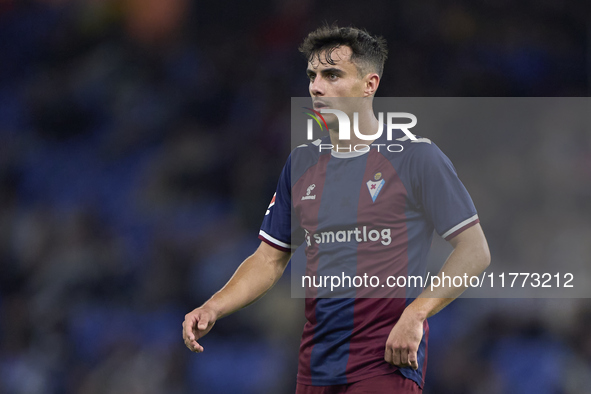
[
  {"x": 470, "y": 256},
  {"x": 255, "y": 276}
]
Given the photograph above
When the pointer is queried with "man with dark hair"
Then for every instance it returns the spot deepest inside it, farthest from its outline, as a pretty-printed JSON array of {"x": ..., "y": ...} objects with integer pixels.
[
  {"x": 368, "y": 53},
  {"x": 357, "y": 345}
]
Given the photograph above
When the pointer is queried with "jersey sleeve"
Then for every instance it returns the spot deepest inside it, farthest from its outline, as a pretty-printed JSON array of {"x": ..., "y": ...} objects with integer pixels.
[
  {"x": 441, "y": 194},
  {"x": 277, "y": 229}
]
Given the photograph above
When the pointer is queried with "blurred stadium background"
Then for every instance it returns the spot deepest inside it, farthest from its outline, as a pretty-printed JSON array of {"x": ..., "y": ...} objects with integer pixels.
[{"x": 140, "y": 143}]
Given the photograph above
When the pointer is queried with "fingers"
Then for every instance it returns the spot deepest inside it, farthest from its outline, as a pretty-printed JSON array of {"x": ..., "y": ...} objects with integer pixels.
[
  {"x": 396, "y": 357},
  {"x": 197, "y": 348},
  {"x": 194, "y": 322},
  {"x": 188, "y": 326},
  {"x": 412, "y": 359},
  {"x": 193, "y": 346},
  {"x": 388, "y": 355},
  {"x": 401, "y": 356},
  {"x": 203, "y": 323}
]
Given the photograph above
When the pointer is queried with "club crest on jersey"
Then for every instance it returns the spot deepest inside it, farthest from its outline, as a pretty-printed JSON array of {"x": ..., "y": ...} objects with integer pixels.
[
  {"x": 375, "y": 186},
  {"x": 308, "y": 191}
]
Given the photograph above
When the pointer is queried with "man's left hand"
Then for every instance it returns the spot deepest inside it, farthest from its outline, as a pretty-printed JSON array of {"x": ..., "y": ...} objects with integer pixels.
[{"x": 403, "y": 342}]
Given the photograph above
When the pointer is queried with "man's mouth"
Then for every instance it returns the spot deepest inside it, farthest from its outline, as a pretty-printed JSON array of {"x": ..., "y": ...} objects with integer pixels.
[{"x": 319, "y": 105}]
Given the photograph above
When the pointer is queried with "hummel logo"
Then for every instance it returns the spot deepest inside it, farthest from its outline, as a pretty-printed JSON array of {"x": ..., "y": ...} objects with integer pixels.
[{"x": 308, "y": 191}]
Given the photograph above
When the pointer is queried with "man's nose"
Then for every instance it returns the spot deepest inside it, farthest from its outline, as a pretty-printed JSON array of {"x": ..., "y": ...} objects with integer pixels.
[{"x": 316, "y": 87}]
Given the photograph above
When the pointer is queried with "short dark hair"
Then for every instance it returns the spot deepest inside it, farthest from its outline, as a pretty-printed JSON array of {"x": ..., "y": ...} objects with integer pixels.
[{"x": 369, "y": 52}]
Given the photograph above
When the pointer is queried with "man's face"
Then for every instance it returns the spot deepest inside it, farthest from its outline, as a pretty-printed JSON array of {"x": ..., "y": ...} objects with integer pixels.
[{"x": 328, "y": 82}]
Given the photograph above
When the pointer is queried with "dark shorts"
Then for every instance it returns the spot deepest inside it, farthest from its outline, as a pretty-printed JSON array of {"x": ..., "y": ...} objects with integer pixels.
[{"x": 393, "y": 383}]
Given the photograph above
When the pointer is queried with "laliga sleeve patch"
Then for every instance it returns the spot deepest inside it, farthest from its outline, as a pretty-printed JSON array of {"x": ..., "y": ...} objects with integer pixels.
[{"x": 270, "y": 205}]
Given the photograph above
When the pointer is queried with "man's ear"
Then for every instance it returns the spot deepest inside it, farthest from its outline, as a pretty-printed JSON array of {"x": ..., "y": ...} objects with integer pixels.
[{"x": 372, "y": 81}]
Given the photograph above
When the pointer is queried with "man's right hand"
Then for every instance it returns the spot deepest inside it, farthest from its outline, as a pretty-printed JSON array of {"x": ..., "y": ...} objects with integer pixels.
[
  {"x": 257, "y": 274},
  {"x": 197, "y": 323}
]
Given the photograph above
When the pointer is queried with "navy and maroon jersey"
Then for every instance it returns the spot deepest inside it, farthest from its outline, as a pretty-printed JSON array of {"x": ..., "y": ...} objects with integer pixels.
[{"x": 368, "y": 212}]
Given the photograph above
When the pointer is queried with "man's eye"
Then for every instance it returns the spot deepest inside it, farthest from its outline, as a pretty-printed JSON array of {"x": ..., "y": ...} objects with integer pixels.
[
  {"x": 332, "y": 76},
  {"x": 311, "y": 76}
]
